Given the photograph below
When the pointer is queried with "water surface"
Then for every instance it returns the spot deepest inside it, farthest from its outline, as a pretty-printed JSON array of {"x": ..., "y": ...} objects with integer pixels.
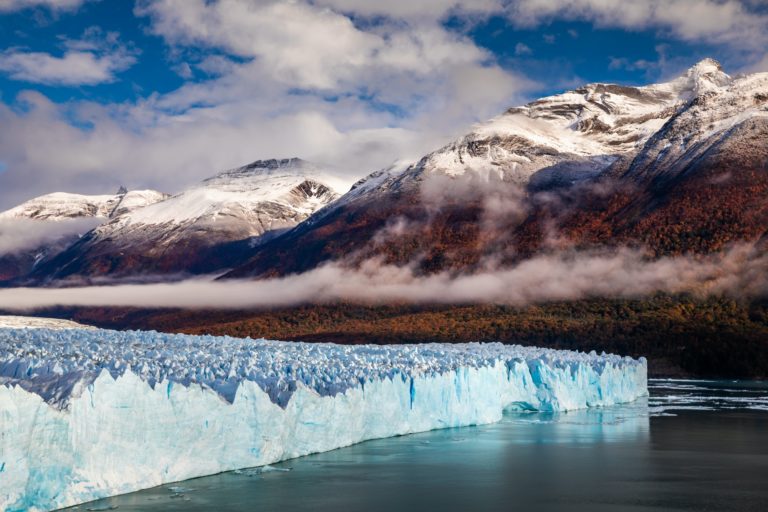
[{"x": 693, "y": 445}]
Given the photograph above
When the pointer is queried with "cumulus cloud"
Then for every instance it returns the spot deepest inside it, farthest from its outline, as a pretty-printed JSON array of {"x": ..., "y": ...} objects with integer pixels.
[
  {"x": 739, "y": 272},
  {"x": 307, "y": 46},
  {"x": 55, "y": 5},
  {"x": 296, "y": 42},
  {"x": 18, "y": 235},
  {"x": 351, "y": 84},
  {"x": 295, "y": 79}
]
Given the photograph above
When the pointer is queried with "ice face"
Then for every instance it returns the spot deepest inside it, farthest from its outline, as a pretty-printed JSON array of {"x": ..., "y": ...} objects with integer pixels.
[{"x": 91, "y": 413}]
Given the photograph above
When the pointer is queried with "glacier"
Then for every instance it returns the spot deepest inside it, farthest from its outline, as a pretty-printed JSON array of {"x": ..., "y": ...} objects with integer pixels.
[{"x": 90, "y": 413}]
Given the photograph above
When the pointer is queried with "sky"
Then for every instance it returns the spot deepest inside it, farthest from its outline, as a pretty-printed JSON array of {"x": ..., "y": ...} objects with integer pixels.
[{"x": 95, "y": 94}]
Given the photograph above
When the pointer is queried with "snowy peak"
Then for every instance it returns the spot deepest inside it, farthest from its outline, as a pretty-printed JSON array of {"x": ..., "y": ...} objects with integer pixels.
[
  {"x": 208, "y": 227},
  {"x": 579, "y": 132},
  {"x": 706, "y": 121},
  {"x": 131, "y": 200},
  {"x": 60, "y": 206},
  {"x": 588, "y": 126},
  {"x": 244, "y": 192},
  {"x": 706, "y": 76},
  {"x": 266, "y": 167}
]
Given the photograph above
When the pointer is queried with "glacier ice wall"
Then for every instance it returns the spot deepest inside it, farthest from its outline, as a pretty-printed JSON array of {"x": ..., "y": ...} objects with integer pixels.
[{"x": 86, "y": 414}]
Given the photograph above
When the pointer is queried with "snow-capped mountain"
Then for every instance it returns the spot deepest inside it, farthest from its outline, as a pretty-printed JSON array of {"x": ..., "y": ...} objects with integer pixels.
[
  {"x": 268, "y": 194},
  {"x": 721, "y": 106},
  {"x": 40, "y": 228},
  {"x": 558, "y": 139},
  {"x": 589, "y": 126},
  {"x": 202, "y": 229},
  {"x": 60, "y": 206},
  {"x": 676, "y": 167},
  {"x": 582, "y": 168}
]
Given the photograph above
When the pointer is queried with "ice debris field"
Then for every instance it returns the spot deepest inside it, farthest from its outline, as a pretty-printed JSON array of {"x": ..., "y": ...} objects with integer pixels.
[{"x": 86, "y": 414}]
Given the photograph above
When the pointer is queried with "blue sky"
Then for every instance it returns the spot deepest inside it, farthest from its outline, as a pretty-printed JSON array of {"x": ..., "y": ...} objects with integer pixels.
[{"x": 161, "y": 93}]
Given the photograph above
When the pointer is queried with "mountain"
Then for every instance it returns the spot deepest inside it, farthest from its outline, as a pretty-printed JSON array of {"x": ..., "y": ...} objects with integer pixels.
[
  {"x": 697, "y": 185},
  {"x": 200, "y": 230},
  {"x": 40, "y": 228},
  {"x": 61, "y": 206},
  {"x": 676, "y": 167}
]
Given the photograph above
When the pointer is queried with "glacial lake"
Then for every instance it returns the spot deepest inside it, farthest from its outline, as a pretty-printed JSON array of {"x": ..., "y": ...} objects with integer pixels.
[{"x": 692, "y": 445}]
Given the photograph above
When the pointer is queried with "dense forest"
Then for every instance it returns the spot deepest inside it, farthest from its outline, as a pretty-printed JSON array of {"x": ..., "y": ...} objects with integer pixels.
[{"x": 680, "y": 335}]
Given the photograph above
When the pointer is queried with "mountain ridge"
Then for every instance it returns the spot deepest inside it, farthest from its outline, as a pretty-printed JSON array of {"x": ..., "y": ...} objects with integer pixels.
[
  {"x": 599, "y": 167},
  {"x": 199, "y": 230},
  {"x": 651, "y": 161}
]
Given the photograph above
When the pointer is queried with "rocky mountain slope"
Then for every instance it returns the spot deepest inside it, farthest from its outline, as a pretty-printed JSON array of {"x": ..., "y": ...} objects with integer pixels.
[
  {"x": 202, "y": 229},
  {"x": 677, "y": 167}
]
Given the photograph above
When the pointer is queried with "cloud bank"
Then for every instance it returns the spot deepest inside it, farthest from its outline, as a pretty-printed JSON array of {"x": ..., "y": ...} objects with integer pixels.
[
  {"x": 740, "y": 272},
  {"x": 18, "y": 235}
]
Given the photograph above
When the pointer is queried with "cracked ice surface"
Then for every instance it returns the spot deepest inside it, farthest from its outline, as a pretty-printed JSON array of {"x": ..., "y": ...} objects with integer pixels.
[{"x": 91, "y": 413}]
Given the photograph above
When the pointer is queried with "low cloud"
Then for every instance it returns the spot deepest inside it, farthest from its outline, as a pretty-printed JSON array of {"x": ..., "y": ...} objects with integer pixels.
[
  {"x": 741, "y": 272},
  {"x": 18, "y": 235}
]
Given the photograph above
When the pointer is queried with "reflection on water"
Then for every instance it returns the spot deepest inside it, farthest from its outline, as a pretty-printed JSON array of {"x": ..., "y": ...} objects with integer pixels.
[
  {"x": 693, "y": 445},
  {"x": 611, "y": 424}
]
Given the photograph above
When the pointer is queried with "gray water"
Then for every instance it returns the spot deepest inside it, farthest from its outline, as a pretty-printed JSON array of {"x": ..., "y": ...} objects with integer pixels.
[{"x": 693, "y": 445}]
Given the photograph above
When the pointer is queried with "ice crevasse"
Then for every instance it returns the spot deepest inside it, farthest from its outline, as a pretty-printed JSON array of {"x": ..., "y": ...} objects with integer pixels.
[{"x": 86, "y": 414}]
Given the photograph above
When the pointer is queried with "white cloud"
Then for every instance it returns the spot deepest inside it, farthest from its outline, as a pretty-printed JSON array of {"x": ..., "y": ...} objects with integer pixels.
[
  {"x": 44, "y": 152},
  {"x": 93, "y": 59},
  {"x": 714, "y": 20},
  {"x": 184, "y": 70},
  {"x": 295, "y": 42},
  {"x": 422, "y": 9},
  {"x": 25, "y": 234},
  {"x": 740, "y": 272},
  {"x": 73, "y": 68},
  {"x": 522, "y": 49},
  {"x": 306, "y": 46},
  {"x": 56, "y": 5},
  {"x": 759, "y": 65},
  {"x": 300, "y": 80}
]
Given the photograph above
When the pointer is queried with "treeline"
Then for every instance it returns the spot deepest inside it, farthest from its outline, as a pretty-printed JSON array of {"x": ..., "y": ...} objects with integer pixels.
[{"x": 681, "y": 335}]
